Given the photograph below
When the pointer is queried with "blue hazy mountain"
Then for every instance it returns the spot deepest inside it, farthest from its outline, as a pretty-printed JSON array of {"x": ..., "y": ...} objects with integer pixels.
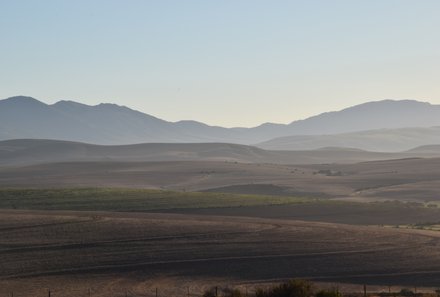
[{"x": 25, "y": 117}]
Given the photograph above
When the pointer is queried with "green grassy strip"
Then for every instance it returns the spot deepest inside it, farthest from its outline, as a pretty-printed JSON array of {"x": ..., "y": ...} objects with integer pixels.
[{"x": 119, "y": 199}]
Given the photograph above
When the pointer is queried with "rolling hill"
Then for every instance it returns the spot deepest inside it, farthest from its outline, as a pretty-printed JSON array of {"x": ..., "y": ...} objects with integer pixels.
[
  {"x": 22, "y": 152},
  {"x": 382, "y": 140},
  {"x": 411, "y": 179}
]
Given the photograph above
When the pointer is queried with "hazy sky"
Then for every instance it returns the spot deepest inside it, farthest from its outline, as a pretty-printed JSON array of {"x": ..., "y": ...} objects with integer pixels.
[{"x": 229, "y": 63}]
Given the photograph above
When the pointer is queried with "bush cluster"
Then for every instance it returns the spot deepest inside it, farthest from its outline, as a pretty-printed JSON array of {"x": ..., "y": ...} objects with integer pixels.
[{"x": 292, "y": 288}]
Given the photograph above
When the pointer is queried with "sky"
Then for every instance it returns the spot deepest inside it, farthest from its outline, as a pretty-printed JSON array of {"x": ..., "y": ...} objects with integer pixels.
[{"x": 227, "y": 63}]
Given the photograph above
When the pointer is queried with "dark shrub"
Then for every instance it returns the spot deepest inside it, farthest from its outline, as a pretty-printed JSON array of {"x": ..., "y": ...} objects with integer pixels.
[
  {"x": 406, "y": 292},
  {"x": 231, "y": 293},
  {"x": 209, "y": 293},
  {"x": 222, "y": 292},
  {"x": 328, "y": 293},
  {"x": 293, "y": 288}
]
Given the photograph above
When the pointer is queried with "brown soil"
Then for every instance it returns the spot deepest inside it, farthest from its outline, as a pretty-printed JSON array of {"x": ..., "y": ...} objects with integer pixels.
[{"x": 110, "y": 252}]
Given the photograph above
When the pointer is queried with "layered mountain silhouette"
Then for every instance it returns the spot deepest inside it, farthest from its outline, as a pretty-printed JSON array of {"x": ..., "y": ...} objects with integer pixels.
[{"x": 27, "y": 118}]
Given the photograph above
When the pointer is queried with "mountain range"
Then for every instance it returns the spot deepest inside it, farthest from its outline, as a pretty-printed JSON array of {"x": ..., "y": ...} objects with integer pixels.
[{"x": 387, "y": 125}]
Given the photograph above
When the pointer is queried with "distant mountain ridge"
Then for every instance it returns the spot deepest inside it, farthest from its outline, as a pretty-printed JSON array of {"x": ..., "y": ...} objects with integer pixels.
[
  {"x": 25, "y": 117},
  {"x": 385, "y": 114}
]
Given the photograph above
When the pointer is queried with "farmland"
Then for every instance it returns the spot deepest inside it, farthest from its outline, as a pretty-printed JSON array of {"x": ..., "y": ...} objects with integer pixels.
[
  {"x": 70, "y": 251},
  {"x": 220, "y": 204},
  {"x": 122, "y": 199},
  {"x": 113, "y": 227}
]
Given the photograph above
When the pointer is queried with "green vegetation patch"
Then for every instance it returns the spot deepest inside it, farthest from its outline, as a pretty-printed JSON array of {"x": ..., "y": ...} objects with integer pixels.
[{"x": 117, "y": 199}]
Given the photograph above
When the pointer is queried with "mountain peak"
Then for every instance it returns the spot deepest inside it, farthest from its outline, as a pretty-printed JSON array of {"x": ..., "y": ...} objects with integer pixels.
[
  {"x": 114, "y": 107},
  {"x": 22, "y": 100},
  {"x": 68, "y": 103},
  {"x": 390, "y": 103}
]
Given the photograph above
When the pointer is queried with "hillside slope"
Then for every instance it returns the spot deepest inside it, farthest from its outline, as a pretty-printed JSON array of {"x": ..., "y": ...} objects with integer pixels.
[
  {"x": 32, "y": 151},
  {"x": 383, "y": 140}
]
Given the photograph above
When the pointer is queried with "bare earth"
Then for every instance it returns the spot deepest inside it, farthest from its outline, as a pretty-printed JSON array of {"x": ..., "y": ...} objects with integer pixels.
[{"x": 70, "y": 252}]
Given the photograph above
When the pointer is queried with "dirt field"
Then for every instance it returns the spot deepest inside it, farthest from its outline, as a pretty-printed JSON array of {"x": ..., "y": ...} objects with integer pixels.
[
  {"x": 407, "y": 179},
  {"x": 109, "y": 252}
]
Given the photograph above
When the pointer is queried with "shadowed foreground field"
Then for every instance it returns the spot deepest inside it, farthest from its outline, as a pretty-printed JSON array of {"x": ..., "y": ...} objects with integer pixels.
[
  {"x": 70, "y": 251},
  {"x": 113, "y": 240}
]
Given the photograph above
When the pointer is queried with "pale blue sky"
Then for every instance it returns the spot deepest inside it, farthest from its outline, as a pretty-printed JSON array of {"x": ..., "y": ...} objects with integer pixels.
[{"x": 229, "y": 63}]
